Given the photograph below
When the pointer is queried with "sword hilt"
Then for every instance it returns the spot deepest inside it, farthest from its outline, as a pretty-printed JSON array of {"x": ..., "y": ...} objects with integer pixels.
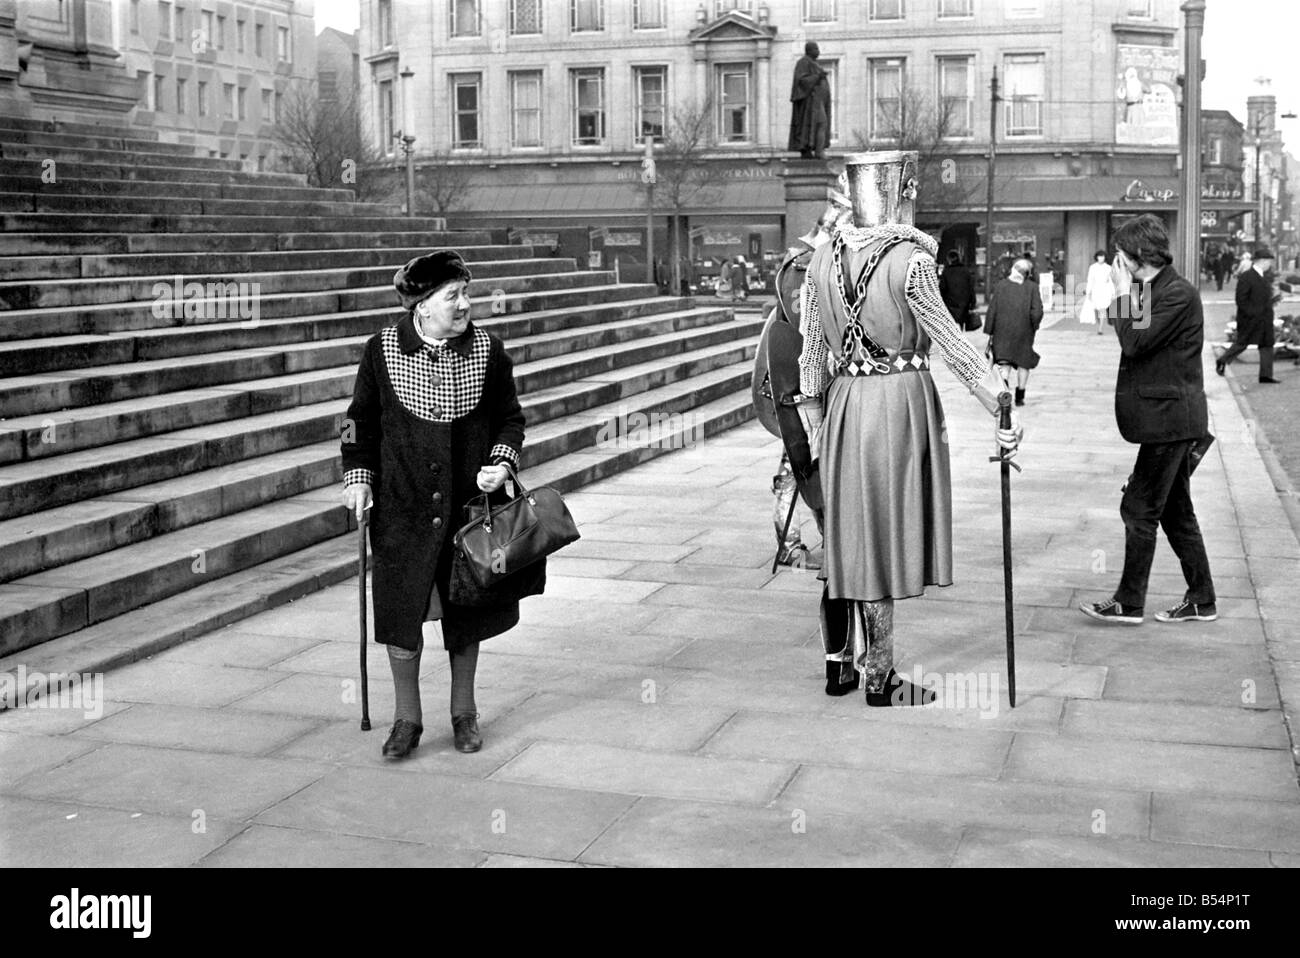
[{"x": 1004, "y": 423}]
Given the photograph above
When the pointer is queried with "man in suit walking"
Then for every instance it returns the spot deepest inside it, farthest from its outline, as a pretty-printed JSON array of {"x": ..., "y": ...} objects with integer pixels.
[
  {"x": 1254, "y": 316},
  {"x": 1159, "y": 404}
]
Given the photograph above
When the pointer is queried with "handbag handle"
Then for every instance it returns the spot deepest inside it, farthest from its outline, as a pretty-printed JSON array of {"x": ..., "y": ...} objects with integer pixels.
[{"x": 521, "y": 492}]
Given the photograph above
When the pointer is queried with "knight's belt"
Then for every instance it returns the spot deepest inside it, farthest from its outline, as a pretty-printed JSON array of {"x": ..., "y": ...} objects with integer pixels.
[{"x": 883, "y": 367}]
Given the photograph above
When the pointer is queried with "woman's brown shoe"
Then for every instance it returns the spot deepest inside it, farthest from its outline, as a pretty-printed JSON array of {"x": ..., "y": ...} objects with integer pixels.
[
  {"x": 404, "y": 737},
  {"x": 465, "y": 728}
]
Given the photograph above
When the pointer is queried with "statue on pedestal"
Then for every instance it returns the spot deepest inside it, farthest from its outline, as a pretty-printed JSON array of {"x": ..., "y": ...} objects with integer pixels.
[{"x": 810, "y": 116}]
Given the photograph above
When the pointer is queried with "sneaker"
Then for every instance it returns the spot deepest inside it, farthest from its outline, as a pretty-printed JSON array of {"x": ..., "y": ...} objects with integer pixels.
[
  {"x": 1189, "y": 612},
  {"x": 1112, "y": 611}
]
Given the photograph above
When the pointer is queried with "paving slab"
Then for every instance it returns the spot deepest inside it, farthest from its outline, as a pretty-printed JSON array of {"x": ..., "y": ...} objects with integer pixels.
[
  {"x": 196, "y": 729},
  {"x": 265, "y": 846},
  {"x": 991, "y": 848}
]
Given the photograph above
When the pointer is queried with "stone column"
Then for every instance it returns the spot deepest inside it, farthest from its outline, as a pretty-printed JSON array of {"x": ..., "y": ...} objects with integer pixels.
[
  {"x": 806, "y": 183},
  {"x": 763, "y": 101}
]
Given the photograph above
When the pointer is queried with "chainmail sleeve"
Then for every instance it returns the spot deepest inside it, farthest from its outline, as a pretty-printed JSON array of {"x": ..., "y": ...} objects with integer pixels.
[
  {"x": 813, "y": 369},
  {"x": 974, "y": 370}
]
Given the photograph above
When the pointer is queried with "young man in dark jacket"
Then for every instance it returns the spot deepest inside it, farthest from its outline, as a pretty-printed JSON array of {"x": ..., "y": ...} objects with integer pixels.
[{"x": 1160, "y": 404}]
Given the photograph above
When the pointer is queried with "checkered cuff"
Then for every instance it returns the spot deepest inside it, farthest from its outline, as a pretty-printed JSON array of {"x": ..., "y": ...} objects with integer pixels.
[
  {"x": 356, "y": 477},
  {"x": 501, "y": 452}
]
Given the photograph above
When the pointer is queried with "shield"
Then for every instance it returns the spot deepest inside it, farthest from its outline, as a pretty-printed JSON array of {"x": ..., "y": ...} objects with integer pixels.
[
  {"x": 761, "y": 384},
  {"x": 784, "y": 344}
]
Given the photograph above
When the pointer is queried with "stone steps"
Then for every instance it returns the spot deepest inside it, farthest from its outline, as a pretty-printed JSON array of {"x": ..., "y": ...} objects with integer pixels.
[
  {"x": 48, "y": 294},
  {"x": 42, "y": 245},
  {"x": 526, "y": 293},
  {"x": 561, "y": 416},
  {"x": 167, "y": 205},
  {"x": 161, "y": 475},
  {"x": 93, "y": 188},
  {"x": 45, "y": 605},
  {"x": 49, "y": 433},
  {"x": 34, "y": 269}
]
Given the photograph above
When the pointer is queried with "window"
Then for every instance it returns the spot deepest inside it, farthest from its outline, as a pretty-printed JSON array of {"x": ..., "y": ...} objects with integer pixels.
[
  {"x": 239, "y": 35},
  {"x": 282, "y": 51},
  {"x": 1216, "y": 150},
  {"x": 818, "y": 11},
  {"x": 327, "y": 82},
  {"x": 179, "y": 24},
  {"x": 157, "y": 102},
  {"x": 886, "y": 115},
  {"x": 649, "y": 14},
  {"x": 588, "y": 107},
  {"x": 241, "y": 102},
  {"x": 586, "y": 15},
  {"x": 956, "y": 8},
  {"x": 180, "y": 95},
  {"x": 526, "y": 109},
  {"x": 228, "y": 100},
  {"x": 464, "y": 111},
  {"x": 386, "y": 115},
  {"x": 384, "y": 35},
  {"x": 258, "y": 31},
  {"x": 886, "y": 9},
  {"x": 135, "y": 16},
  {"x": 1019, "y": 9},
  {"x": 1140, "y": 9},
  {"x": 733, "y": 103},
  {"x": 525, "y": 16},
  {"x": 221, "y": 32},
  {"x": 208, "y": 33},
  {"x": 723, "y": 7},
  {"x": 956, "y": 96},
  {"x": 203, "y": 98},
  {"x": 651, "y": 102},
  {"x": 464, "y": 18},
  {"x": 164, "y": 19},
  {"x": 277, "y": 108},
  {"x": 832, "y": 68},
  {"x": 1022, "y": 86},
  {"x": 150, "y": 90},
  {"x": 266, "y": 106}
]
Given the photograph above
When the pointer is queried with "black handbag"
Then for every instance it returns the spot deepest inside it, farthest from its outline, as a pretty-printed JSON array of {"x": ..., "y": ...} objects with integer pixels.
[{"x": 499, "y": 554}]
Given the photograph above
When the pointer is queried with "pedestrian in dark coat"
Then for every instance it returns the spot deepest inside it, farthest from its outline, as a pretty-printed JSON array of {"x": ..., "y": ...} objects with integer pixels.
[
  {"x": 1255, "y": 301},
  {"x": 957, "y": 287},
  {"x": 434, "y": 419},
  {"x": 1159, "y": 404},
  {"x": 1015, "y": 313}
]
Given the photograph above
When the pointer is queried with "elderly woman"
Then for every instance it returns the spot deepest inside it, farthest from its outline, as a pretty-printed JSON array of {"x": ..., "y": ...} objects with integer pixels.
[
  {"x": 433, "y": 421},
  {"x": 1015, "y": 312}
]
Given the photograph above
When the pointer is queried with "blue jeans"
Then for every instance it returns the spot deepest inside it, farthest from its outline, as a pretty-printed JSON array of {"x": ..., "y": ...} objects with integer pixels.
[{"x": 1159, "y": 494}]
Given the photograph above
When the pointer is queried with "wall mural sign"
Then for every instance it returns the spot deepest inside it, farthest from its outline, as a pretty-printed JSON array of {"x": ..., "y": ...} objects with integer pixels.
[{"x": 1146, "y": 85}]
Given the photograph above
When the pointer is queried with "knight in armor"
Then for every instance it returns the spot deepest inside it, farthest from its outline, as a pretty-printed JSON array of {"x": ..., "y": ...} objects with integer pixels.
[{"x": 871, "y": 316}]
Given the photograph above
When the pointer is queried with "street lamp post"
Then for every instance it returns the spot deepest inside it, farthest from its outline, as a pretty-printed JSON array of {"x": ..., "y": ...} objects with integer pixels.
[
  {"x": 408, "y": 139},
  {"x": 1190, "y": 207}
]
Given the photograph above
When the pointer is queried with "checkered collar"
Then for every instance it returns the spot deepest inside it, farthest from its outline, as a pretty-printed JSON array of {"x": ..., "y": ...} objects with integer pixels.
[{"x": 410, "y": 342}]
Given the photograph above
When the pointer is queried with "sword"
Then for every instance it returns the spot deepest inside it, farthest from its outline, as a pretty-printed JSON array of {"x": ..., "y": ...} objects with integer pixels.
[
  {"x": 776, "y": 562},
  {"x": 1004, "y": 422}
]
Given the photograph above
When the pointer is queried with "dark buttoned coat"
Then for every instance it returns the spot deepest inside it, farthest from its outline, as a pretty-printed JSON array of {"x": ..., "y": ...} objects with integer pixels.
[{"x": 423, "y": 473}]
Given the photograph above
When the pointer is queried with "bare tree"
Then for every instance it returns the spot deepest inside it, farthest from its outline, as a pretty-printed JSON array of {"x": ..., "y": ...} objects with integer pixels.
[
  {"x": 684, "y": 174},
  {"x": 440, "y": 185},
  {"x": 928, "y": 128},
  {"x": 322, "y": 139}
]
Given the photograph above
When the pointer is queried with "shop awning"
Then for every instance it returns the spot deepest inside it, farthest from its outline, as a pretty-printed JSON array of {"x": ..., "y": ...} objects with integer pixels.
[{"x": 765, "y": 196}]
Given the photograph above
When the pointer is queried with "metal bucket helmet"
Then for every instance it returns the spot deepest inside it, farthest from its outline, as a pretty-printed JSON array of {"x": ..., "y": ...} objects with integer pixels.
[{"x": 882, "y": 187}]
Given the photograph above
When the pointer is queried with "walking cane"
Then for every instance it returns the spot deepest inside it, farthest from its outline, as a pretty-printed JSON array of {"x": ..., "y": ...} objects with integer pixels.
[
  {"x": 361, "y": 592},
  {"x": 1004, "y": 422}
]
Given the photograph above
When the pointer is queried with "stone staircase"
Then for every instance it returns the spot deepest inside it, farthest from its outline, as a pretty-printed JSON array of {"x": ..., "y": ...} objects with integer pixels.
[{"x": 178, "y": 342}]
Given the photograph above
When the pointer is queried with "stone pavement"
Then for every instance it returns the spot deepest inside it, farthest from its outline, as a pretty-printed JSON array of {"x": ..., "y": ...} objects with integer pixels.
[{"x": 662, "y": 704}]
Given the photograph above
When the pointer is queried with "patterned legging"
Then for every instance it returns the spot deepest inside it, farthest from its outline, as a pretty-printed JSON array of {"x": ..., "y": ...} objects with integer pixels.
[{"x": 864, "y": 642}]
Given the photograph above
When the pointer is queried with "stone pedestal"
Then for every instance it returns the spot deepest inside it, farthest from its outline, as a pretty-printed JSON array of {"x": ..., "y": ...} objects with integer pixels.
[{"x": 806, "y": 183}]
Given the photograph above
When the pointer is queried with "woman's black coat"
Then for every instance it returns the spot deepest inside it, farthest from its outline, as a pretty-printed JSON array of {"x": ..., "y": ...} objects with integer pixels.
[{"x": 424, "y": 474}]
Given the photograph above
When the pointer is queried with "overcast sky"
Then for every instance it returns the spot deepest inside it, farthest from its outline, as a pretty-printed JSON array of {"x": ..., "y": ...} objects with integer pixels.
[{"x": 1243, "y": 41}]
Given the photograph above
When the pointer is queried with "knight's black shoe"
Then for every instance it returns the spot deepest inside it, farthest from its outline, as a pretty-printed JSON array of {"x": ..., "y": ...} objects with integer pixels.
[
  {"x": 898, "y": 692},
  {"x": 836, "y": 687}
]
